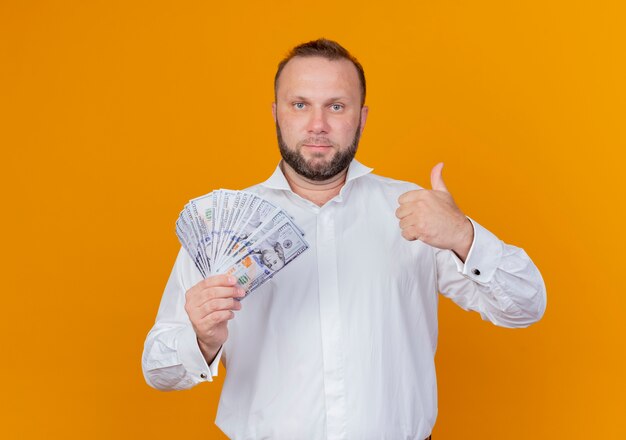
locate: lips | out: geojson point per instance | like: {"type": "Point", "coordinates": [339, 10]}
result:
{"type": "Point", "coordinates": [318, 149]}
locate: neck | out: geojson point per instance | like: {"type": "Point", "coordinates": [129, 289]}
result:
{"type": "Point", "coordinates": [318, 192]}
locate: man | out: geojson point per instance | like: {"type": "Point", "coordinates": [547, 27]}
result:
{"type": "Point", "coordinates": [341, 343]}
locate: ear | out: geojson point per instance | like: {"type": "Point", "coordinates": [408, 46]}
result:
{"type": "Point", "coordinates": [274, 111]}
{"type": "Point", "coordinates": [364, 111]}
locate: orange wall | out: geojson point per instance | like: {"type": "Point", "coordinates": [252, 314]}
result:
{"type": "Point", "coordinates": [115, 113]}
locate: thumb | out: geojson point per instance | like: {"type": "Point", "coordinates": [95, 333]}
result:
{"type": "Point", "coordinates": [436, 180]}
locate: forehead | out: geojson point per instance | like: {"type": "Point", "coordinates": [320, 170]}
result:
{"type": "Point", "coordinates": [303, 76]}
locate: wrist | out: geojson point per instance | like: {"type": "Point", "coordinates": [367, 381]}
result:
{"type": "Point", "coordinates": [208, 351]}
{"type": "Point", "coordinates": [466, 238]}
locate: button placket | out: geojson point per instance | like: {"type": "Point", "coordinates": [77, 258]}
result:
{"type": "Point", "coordinates": [330, 321]}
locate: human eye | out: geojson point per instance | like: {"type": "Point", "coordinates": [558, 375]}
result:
{"type": "Point", "coordinates": [336, 107]}
{"type": "Point", "coordinates": [298, 105]}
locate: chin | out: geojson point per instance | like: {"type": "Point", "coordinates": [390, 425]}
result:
{"type": "Point", "coordinates": [318, 165]}
{"type": "Point", "coordinates": [321, 158]}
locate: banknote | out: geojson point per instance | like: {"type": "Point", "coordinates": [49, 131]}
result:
{"type": "Point", "coordinates": [269, 256]}
{"type": "Point", "coordinates": [240, 234]}
{"type": "Point", "coordinates": [251, 237]}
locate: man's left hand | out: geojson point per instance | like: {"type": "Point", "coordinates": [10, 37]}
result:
{"type": "Point", "coordinates": [432, 217]}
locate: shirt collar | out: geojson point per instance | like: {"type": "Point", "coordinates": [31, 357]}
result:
{"type": "Point", "coordinates": [278, 180]}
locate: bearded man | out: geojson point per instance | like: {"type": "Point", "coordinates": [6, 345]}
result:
{"type": "Point", "coordinates": [341, 343]}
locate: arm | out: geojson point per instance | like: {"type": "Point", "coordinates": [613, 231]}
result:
{"type": "Point", "coordinates": [497, 280]}
{"type": "Point", "coordinates": [474, 268]}
{"type": "Point", "coordinates": [172, 357]}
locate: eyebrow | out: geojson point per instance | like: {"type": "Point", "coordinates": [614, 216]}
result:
{"type": "Point", "coordinates": [333, 99]}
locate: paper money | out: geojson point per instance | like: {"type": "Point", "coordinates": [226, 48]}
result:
{"type": "Point", "coordinates": [270, 255]}
{"type": "Point", "coordinates": [240, 234]}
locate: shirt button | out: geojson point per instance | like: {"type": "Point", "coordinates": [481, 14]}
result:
{"type": "Point", "coordinates": [203, 375]}
{"type": "Point", "coordinates": [475, 271]}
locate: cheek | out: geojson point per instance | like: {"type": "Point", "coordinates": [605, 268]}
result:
{"type": "Point", "coordinates": [346, 129]}
{"type": "Point", "coordinates": [291, 120]}
{"type": "Point", "coordinates": [289, 128]}
{"type": "Point", "coordinates": [345, 123]}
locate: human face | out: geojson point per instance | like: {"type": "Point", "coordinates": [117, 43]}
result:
{"type": "Point", "coordinates": [318, 114]}
{"type": "Point", "coordinates": [272, 260]}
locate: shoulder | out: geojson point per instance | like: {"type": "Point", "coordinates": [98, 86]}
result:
{"type": "Point", "coordinates": [386, 184]}
{"type": "Point", "coordinates": [259, 189]}
{"type": "Point", "coordinates": [254, 188]}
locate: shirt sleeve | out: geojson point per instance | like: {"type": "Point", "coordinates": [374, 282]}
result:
{"type": "Point", "coordinates": [497, 280]}
{"type": "Point", "coordinates": [172, 359]}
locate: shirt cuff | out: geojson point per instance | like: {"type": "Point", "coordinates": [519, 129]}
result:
{"type": "Point", "coordinates": [192, 359]}
{"type": "Point", "coordinates": [484, 256]}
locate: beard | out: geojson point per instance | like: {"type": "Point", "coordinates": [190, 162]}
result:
{"type": "Point", "coordinates": [316, 169]}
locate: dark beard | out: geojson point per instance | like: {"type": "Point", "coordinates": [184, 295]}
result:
{"type": "Point", "coordinates": [340, 161]}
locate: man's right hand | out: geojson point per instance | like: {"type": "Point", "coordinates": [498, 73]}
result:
{"type": "Point", "coordinates": [210, 305]}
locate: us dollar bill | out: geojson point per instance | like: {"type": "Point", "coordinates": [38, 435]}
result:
{"type": "Point", "coordinates": [239, 233]}
{"type": "Point", "coordinates": [270, 255]}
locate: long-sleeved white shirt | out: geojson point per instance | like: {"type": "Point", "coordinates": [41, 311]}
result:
{"type": "Point", "coordinates": [341, 343]}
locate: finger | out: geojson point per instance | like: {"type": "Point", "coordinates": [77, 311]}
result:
{"type": "Point", "coordinates": [218, 280]}
{"type": "Point", "coordinates": [436, 179]}
{"type": "Point", "coordinates": [216, 318]}
{"type": "Point", "coordinates": [410, 234]}
{"type": "Point", "coordinates": [408, 222]}
{"type": "Point", "coordinates": [403, 211]}
{"type": "Point", "coordinates": [410, 196]}
{"type": "Point", "coordinates": [196, 297]}
{"type": "Point", "coordinates": [222, 292]}
{"type": "Point", "coordinates": [216, 305]}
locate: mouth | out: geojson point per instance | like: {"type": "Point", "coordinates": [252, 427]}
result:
{"type": "Point", "coordinates": [315, 147]}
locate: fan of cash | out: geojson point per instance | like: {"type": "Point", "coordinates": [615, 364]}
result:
{"type": "Point", "coordinates": [239, 233]}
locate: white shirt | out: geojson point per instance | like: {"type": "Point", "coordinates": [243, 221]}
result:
{"type": "Point", "coordinates": [341, 343]}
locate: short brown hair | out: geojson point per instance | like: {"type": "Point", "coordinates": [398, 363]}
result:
{"type": "Point", "coordinates": [331, 50]}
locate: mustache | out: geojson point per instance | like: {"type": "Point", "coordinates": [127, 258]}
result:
{"type": "Point", "coordinates": [316, 141]}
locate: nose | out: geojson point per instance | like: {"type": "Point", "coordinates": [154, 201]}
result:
{"type": "Point", "coordinates": [318, 123]}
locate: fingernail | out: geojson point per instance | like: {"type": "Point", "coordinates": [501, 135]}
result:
{"type": "Point", "coordinates": [241, 292]}
{"type": "Point", "coordinates": [231, 279]}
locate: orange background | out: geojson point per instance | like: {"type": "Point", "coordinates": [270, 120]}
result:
{"type": "Point", "coordinates": [115, 113]}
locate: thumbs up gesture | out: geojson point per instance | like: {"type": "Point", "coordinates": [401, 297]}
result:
{"type": "Point", "coordinates": [432, 217]}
